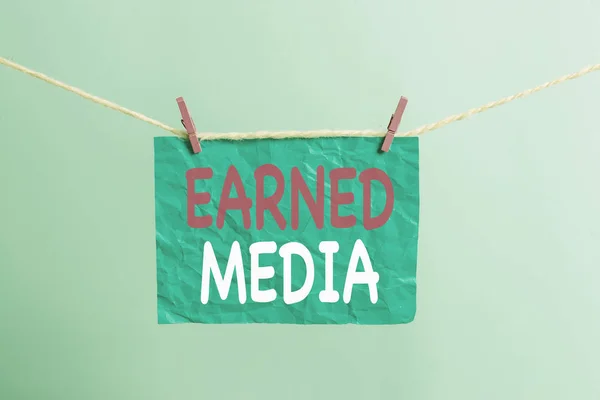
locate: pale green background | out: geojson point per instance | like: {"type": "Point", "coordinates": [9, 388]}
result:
{"type": "Point", "coordinates": [509, 263]}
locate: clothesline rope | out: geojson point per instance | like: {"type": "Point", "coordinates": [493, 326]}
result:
{"type": "Point", "coordinates": [295, 134]}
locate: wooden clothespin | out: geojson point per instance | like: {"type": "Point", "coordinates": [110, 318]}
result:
{"type": "Point", "coordinates": [188, 124]}
{"type": "Point", "coordinates": [393, 125]}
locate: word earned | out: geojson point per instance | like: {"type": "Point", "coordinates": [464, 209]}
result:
{"type": "Point", "coordinates": [298, 188]}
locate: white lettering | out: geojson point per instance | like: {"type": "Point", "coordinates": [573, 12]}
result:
{"type": "Point", "coordinates": [286, 252]}
{"type": "Point", "coordinates": [258, 273]}
{"type": "Point", "coordinates": [209, 264]}
{"type": "Point", "coordinates": [354, 277]}
{"type": "Point", "coordinates": [329, 295]}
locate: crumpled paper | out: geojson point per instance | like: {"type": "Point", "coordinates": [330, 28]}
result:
{"type": "Point", "coordinates": [392, 248]}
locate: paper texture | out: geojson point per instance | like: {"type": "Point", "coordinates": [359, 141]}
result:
{"type": "Point", "coordinates": [313, 180]}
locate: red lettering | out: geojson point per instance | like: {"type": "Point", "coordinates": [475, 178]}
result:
{"type": "Point", "coordinates": [268, 203]}
{"type": "Point", "coordinates": [316, 205]}
{"type": "Point", "coordinates": [194, 198]}
{"type": "Point", "coordinates": [241, 202]}
{"type": "Point", "coordinates": [315, 201]}
{"type": "Point", "coordinates": [338, 198]}
{"type": "Point", "coordinates": [365, 178]}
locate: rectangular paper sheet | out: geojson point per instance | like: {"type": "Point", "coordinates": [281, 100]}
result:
{"type": "Point", "coordinates": [391, 248]}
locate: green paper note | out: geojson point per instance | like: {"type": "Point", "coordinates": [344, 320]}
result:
{"type": "Point", "coordinates": [293, 231]}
